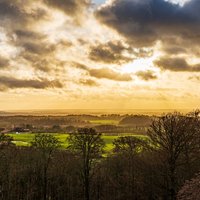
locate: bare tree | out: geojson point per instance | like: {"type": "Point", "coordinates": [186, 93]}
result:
{"type": "Point", "coordinates": [46, 144]}
{"type": "Point", "coordinates": [172, 136]}
{"type": "Point", "coordinates": [89, 145]}
{"type": "Point", "coordinates": [131, 149]}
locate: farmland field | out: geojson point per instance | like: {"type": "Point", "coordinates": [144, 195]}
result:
{"type": "Point", "coordinates": [24, 139]}
{"type": "Point", "coordinates": [104, 122]}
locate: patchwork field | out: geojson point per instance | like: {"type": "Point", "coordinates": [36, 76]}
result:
{"type": "Point", "coordinates": [24, 139]}
{"type": "Point", "coordinates": [104, 122]}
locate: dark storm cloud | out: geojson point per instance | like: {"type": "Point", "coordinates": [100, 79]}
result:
{"type": "Point", "coordinates": [33, 42]}
{"type": "Point", "coordinates": [176, 65]}
{"type": "Point", "coordinates": [181, 45]}
{"type": "Point", "coordinates": [17, 17]}
{"type": "Point", "coordinates": [146, 75]}
{"type": "Point", "coordinates": [37, 62]}
{"type": "Point", "coordinates": [69, 7]}
{"type": "Point", "coordinates": [9, 9]}
{"type": "Point", "coordinates": [111, 53]}
{"type": "Point", "coordinates": [16, 12]}
{"type": "Point", "coordinates": [174, 50]}
{"type": "Point", "coordinates": [104, 73]}
{"type": "Point", "coordinates": [38, 48]}
{"type": "Point", "coordinates": [11, 83]}
{"type": "Point", "coordinates": [28, 35]}
{"type": "Point", "coordinates": [40, 54]}
{"type": "Point", "coordinates": [4, 63]}
{"type": "Point", "coordinates": [147, 21]}
{"type": "Point", "coordinates": [45, 63]}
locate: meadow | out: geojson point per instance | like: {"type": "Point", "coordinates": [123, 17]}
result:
{"type": "Point", "coordinates": [24, 139]}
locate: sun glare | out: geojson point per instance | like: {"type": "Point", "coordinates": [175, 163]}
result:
{"type": "Point", "coordinates": [141, 64]}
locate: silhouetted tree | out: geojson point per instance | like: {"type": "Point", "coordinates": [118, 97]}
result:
{"type": "Point", "coordinates": [89, 145]}
{"type": "Point", "coordinates": [130, 148]}
{"type": "Point", "coordinates": [173, 135]}
{"type": "Point", "coordinates": [5, 140]}
{"type": "Point", "coordinates": [46, 144]}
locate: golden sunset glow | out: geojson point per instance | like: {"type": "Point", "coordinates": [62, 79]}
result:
{"type": "Point", "coordinates": [94, 55]}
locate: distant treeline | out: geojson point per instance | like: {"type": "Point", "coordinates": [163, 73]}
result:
{"type": "Point", "coordinates": [58, 124]}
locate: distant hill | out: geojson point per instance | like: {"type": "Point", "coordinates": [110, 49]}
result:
{"type": "Point", "coordinates": [136, 120]}
{"type": "Point", "coordinates": [3, 113]}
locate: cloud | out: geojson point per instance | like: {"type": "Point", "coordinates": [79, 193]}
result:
{"type": "Point", "coordinates": [104, 73]}
{"type": "Point", "coordinates": [23, 34]}
{"type": "Point", "coordinates": [171, 49]}
{"type": "Point", "coordinates": [65, 43]}
{"type": "Point", "coordinates": [20, 13]}
{"type": "Point", "coordinates": [109, 74]}
{"type": "Point", "coordinates": [17, 18]}
{"type": "Point", "coordinates": [11, 83]}
{"type": "Point", "coordinates": [37, 54]}
{"type": "Point", "coordinates": [176, 65]}
{"type": "Point", "coordinates": [88, 82]}
{"type": "Point", "coordinates": [38, 48]}
{"type": "Point", "coordinates": [111, 53]}
{"type": "Point", "coordinates": [4, 63]}
{"type": "Point", "coordinates": [33, 42]}
{"type": "Point", "coordinates": [181, 45]}
{"type": "Point", "coordinates": [47, 63]}
{"type": "Point", "coordinates": [9, 9]}
{"type": "Point", "coordinates": [146, 75]}
{"type": "Point", "coordinates": [69, 7]}
{"type": "Point", "coordinates": [80, 66]}
{"type": "Point", "coordinates": [145, 22]}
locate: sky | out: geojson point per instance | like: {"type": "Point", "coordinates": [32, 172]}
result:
{"type": "Point", "coordinates": [99, 1]}
{"type": "Point", "coordinates": [114, 54]}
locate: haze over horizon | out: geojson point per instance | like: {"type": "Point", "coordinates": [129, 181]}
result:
{"type": "Point", "coordinates": [114, 54]}
{"type": "Point", "coordinates": [96, 112]}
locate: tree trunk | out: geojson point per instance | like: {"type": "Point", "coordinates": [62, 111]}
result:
{"type": "Point", "coordinates": [86, 184]}
{"type": "Point", "coordinates": [45, 184]}
{"type": "Point", "coordinates": [172, 184]}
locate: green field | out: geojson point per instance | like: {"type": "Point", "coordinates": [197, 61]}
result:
{"type": "Point", "coordinates": [24, 139]}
